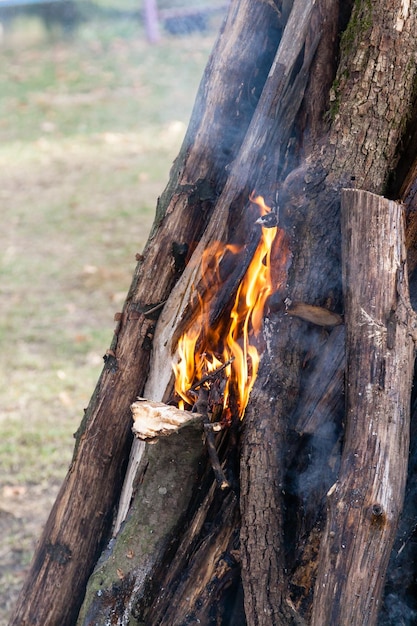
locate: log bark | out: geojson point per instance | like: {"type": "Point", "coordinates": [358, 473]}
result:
{"type": "Point", "coordinates": [262, 481]}
{"type": "Point", "coordinates": [82, 515]}
{"type": "Point", "coordinates": [365, 502]}
{"type": "Point", "coordinates": [122, 576]}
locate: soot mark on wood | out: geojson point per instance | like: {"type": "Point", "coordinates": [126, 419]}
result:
{"type": "Point", "coordinates": [58, 553]}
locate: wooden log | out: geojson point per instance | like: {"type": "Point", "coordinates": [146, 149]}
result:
{"type": "Point", "coordinates": [195, 589]}
{"type": "Point", "coordinates": [262, 476]}
{"type": "Point", "coordinates": [124, 573]}
{"type": "Point", "coordinates": [82, 516]}
{"type": "Point", "coordinates": [365, 502]}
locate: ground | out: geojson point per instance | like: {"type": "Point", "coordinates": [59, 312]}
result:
{"type": "Point", "coordinates": [88, 131]}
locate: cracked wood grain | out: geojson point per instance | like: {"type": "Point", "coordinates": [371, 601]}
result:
{"type": "Point", "coordinates": [365, 503]}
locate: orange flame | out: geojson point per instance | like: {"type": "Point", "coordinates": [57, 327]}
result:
{"type": "Point", "coordinates": [203, 349]}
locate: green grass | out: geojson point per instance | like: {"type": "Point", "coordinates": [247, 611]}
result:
{"type": "Point", "coordinates": [88, 132]}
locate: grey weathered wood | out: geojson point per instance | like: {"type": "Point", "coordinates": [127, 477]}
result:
{"type": "Point", "coordinates": [365, 502]}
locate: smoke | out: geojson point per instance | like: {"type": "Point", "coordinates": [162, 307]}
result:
{"type": "Point", "coordinates": [397, 612]}
{"type": "Point", "coordinates": [322, 455]}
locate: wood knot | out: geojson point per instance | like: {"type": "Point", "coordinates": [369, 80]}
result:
{"type": "Point", "coordinates": [378, 517]}
{"type": "Point", "coordinates": [377, 510]}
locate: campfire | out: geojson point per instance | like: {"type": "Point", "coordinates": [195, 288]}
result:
{"type": "Point", "coordinates": [218, 353]}
{"type": "Point", "coordinates": [311, 532]}
{"type": "Point", "coordinates": [223, 355]}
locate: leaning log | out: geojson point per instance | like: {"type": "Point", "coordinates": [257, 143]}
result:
{"type": "Point", "coordinates": [81, 519]}
{"type": "Point", "coordinates": [171, 442]}
{"type": "Point", "coordinates": [365, 502]}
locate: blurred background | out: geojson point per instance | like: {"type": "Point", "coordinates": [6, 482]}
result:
{"type": "Point", "coordinates": [95, 99]}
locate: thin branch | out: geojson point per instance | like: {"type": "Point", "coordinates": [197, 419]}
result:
{"type": "Point", "coordinates": [212, 375]}
{"type": "Point", "coordinates": [201, 406]}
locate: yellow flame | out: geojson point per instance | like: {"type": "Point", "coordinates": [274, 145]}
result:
{"type": "Point", "coordinates": [203, 349]}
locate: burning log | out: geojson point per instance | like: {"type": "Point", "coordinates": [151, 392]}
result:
{"type": "Point", "coordinates": [365, 502]}
{"type": "Point", "coordinates": [230, 556]}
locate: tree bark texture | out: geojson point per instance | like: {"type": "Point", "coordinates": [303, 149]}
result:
{"type": "Point", "coordinates": [121, 578]}
{"type": "Point", "coordinates": [259, 123]}
{"type": "Point", "coordinates": [262, 479]}
{"type": "Point", "coordinates": [365, 502]}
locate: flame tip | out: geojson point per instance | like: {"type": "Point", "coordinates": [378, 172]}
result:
{"type": "Point", "coordinates": [229, 347]}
